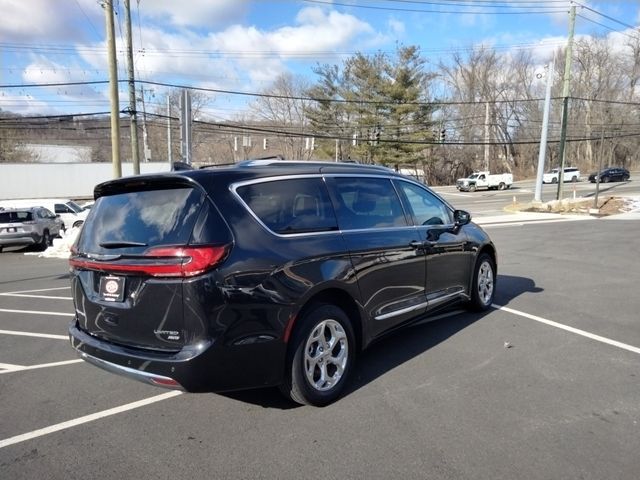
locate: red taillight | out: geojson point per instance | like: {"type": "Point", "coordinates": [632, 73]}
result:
{"type": "Point", "coordinates": [162, 262]}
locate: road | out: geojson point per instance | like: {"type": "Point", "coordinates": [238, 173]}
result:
{"type": "Point", "coordinates": [544, 385]}
{"type": "Point", "coordinates": [492, 202]}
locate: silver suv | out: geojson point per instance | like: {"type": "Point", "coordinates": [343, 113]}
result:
{"type": "Point", "coordinates": [28, 226]}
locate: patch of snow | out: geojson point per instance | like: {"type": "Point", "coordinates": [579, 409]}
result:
{"type": "Point", "coordinates": [61, 247]}
{"type": "Point", "coordinates": [632, 205]}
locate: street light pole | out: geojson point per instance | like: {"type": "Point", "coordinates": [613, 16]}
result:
{"type": "Point", "coordinates": [565, 99]}
{"type": "Point", "coordinates": [133, 116]}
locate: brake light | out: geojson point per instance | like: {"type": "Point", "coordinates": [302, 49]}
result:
{"type": "Point", "coordinates": [162, 261]}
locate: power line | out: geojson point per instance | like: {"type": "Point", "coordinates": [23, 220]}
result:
{"type": "Point", "coordinates": [95, 30]}
{"type": "Point", "coordinates": [416, 10]}
{"type": "Point", "coordinates": [607, 16]}
{"type": "Point", "coordinates": [606, 26]}
{"type": "Point", "coordinates": [305, 98]}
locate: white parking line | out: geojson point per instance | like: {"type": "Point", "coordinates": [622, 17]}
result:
{"type": "Point", "coordinates": [36, 312]}
{"type": "Point", "coordinates": [7, 368]}
{"type": "Point", "coordinates": [86, 419]}
{"type": "Point", "coordinates": [42, 290]}
{"type": "Point", "coordinates": [34, 296]}
{"type": "Point", "coordinates": [567, 328]}
{"type": "Point", "coordinates": [31, 334]}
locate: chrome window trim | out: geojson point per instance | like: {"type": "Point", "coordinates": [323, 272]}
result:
{"type": "Point", "coordinates": [434, 194]}
{"type": "Point", "coordinates": [233, 188]}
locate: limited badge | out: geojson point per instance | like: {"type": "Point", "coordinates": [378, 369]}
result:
{"type": "Point", "coordinates": [112, 288]}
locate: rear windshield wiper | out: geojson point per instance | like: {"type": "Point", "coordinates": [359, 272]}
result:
{"type": "Point", "coordinates": [122, 244]}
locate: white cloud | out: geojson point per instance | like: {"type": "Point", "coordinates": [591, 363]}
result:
{"type": "Point", "coordinates": [43, 71]}
{"type": "Point", "coordinates": [24, 103]}
{"type": "Point", "coordinates": [23, 20]}
{"type": "Point", "coordinates": [397, 27]}
{"type": "Point", "coordinates": [190, 13]}
{"type": "Point", "coordinates": [34, 20]}
{"type": "Point", "coordinates": [317, 30]}
{"type": "Point", "coordinates": [224, 58]}
{"type": "Point", "coordinates": [171, 44]}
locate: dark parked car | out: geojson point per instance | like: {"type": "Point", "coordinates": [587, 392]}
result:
{"type": "Point", "coordinates": [266, 273]}
{"type": "Point", "coordinates": [610, 175]}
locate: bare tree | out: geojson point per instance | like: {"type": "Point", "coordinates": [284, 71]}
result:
{"type": "Point", "coordinates": [282, 109]}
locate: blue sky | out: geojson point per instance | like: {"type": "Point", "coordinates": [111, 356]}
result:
{"type": "Point", "coordinates": [242, 45]}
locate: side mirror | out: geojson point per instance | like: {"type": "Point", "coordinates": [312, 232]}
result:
{"type": "Point", "coordinates": [57, 215]}
{"type": "Point", "coordinates": [461, 217]}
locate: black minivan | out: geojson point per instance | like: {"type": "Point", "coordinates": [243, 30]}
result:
{"type": "Point", "coordinates": [266, 273]}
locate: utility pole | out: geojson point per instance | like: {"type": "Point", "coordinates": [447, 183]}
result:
{"type": "Point", "coordinates": [133, 120]}
{"type": "Point", "coordinates": [113, 89]}
{"type": "Point", "coordinates": [543, 136]}
{"type": "Point", "coordinates": [487, 136]}
{"type": "Point", "coordinates": [565, 99]}
{"type": "Point", "coordinates": [169, 152]}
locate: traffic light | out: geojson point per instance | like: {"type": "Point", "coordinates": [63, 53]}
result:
{"type": "Point", "coordinates": [443, 135]}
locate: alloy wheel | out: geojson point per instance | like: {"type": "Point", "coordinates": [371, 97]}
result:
{"type": "Point", "coordinates": [326, 355]}
{"type": "Point", "coordinates": [485, 282]}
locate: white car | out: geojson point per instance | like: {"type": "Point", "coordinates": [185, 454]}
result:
{"type": "Point", "coordinates": [70, 212]}
{"type": "Point", "coordinates": [571, 174]}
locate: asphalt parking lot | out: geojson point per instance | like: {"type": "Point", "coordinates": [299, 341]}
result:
{"type": "Point", "coordinates": [545, 385]}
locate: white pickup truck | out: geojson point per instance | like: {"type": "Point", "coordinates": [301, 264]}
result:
{"type": "Point", "coordinates": [487, 180]}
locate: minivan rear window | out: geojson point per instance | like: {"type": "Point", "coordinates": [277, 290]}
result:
{"type": "Point", "coordinates": [131, 222]}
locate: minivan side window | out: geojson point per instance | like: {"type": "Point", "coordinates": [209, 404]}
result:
{"type": "Point", "coordinates": [364, 203]}
{"type": "Point", "coordinates": [291, 206]}
{"type": "Point", "coordinates": [427, 209]}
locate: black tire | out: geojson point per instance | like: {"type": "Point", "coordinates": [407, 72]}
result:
{"type": "Point", "coordinates": [554, 180]}
{"type": "Point", "coordinates": [574, 179]}
{"type": "Point", "coordinates": [483, 287]}
{"type": "Point", "coordinates": [502, 186]}
{"type": "Point", "coordinates": [45, 241]}
{"type": "Point", "coordinates": [472, 188]}
{"type": "Point", "coordinates": [78, 224]}
{"type": "Point", "coordinates": [606, 179]}
{"type": "Point", "coordinates": [309, 342]}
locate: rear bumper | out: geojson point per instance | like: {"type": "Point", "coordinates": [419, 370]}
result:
{"type": "Point", "coordinates": [206, 366]}
{"type": "Point", "coordinates": [140, 375]}
{"type": "Point", "coordinates": [16, 239]}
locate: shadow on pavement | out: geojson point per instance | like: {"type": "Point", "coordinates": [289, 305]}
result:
{"type": "Point", "coordinates": [400, 346]}
{"type": "Point", "coordinates": [605, 188]}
